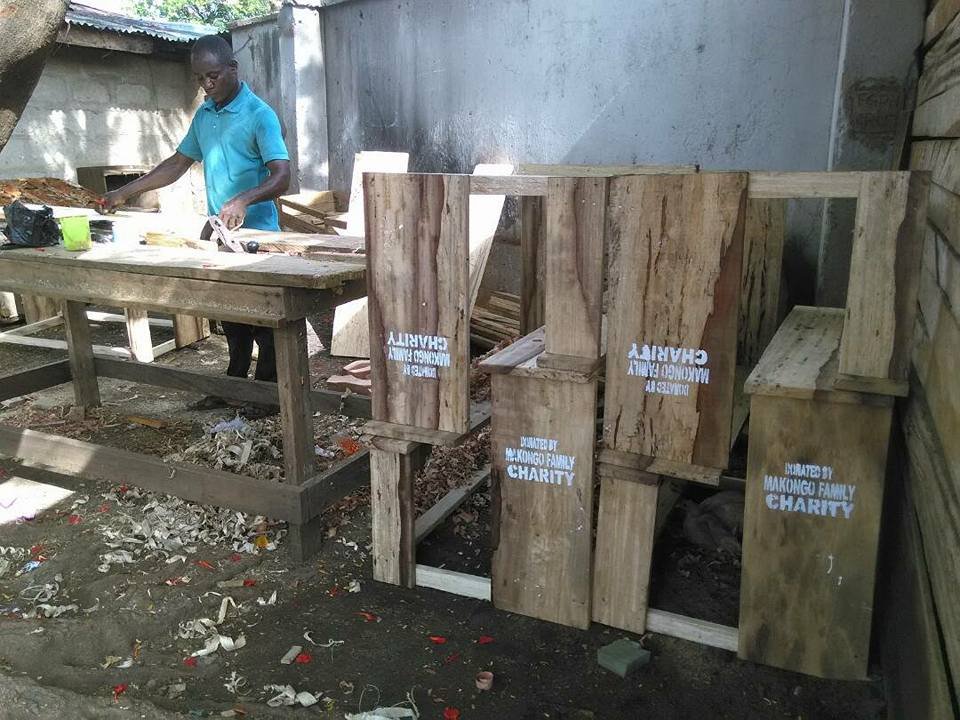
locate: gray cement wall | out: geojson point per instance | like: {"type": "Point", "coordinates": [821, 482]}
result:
{"type": "Point", "coordinates": [95, 108]}
{"type": "Point", "coordinates": [751, 84]}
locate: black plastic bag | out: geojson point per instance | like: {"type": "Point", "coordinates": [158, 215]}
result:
{"type": "Point", "coordinates": [30, 228]}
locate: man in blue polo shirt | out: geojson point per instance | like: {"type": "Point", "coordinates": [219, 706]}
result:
{"type": "Point", "coordinates": [237, 137]}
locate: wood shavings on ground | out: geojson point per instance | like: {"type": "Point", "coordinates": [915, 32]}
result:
{"type": "Point", "coordinates": [449, 468]}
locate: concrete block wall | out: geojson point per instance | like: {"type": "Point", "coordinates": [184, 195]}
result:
{"type": "Point", "coordinates": [95, 107]}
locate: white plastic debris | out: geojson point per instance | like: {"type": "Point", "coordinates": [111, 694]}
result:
{"type": "Point", "coordinates": [286, 695]}
{"type": "Point", "coordinates": [237, 425]}
{"type": "Point", "coordinates": [271, 601]}
{"type": "Point", "coordinates": [235, 683]}
{"type": "Point", "coordinates": [384, 713]}
{"type": "Point", "coordinates": [354, 586]}
{"type": "Point", "coordinates": [291, 655]}
{"type": "Point", "coordinates": [217, 641]}
{"type": "Point", "coordinates": [328, 644]}
{"type": "Point", "coordinates": [55, 611]}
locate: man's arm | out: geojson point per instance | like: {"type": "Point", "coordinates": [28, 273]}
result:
{"type": "Point", "coordinates": [234, 210]}
{"type": "Point", "coordinates": [166, 173]}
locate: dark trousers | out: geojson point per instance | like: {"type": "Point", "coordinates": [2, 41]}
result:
{"type": "Point", "coordinates": [240, 339]}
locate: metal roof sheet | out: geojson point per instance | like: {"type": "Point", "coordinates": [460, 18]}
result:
{"type": "Point", "coordinates": [184, 32]}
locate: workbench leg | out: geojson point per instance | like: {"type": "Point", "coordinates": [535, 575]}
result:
{"type": "Point", "coordinates": [532, 249]}
{"type": "Point", "coordinates": [393, 517]}
{"type": "Point", "coordinates": [85, 390]}
{"type": "Point", "coordinates": [296, 412]}
{"type": "Point", "coordinates": [188, 329]}
{"type": "Point", "coordinates": [305, 540]}
{"type": "Point", "coordinates": [138, 334]}
{"type": "Point", "coordinates": [37, 308]}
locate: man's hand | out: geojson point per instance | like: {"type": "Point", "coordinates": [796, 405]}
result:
{"type": "Point", "coordinates": [111, 201]}
{"type": "Point", "coordinates": [233, 213]}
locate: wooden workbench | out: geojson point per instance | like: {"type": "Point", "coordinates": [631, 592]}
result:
{"type": "Point", "coordinates": [268, 290]}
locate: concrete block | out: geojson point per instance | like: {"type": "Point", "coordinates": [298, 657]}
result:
{"type": "Point", "coordinates": [138, 96]}
{"type": "Point", "coordinates": [172, 97]}
{"type": "Point", "coordinates": [90, 93]}
{"type": "Point", "coordinates": [622, 656]}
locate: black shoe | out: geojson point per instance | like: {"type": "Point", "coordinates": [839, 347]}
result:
{"type": "Point", "coordinates": [210, 402]}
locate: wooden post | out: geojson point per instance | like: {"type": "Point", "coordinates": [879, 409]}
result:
{"type": "Point", "coordinates": [37, 308]}
{"type": "Point", "coordinates": [188, 329]}
{"type": "Point", "coordinates": [532, 253]}
{"type": "Point", "coordinates": [392, 509]}
{"type": "Point", "coordinates": [85, 390]}
{"type": "Point", "coordinates": [763, 242]}
{"type": "Point", "coordinates": [296, 414]}
{"type": "Point", "coordinates": [138, 334]}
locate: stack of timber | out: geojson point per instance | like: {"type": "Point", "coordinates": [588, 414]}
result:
{"type": "Point", "coordinates": [495, 320]}
{"type": "Point", "coordinates": [309, 211]}
{"type": "Point", "coordinates": [921, 648]}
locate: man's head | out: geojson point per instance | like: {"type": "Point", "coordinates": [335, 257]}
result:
{"type": "Point", "coordinates": [214, 67]}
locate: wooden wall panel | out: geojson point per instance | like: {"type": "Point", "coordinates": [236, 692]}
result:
{"type": "Point", "coordinates": [418, 285]}
{"type": "Point", "coordinates": [542, 473]}
{"type": "Point", "coordinates": [763, 242]}
{"type": "Point", "coordinates": [673, 315]}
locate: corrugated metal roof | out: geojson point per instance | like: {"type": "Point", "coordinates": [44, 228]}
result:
{"type": "Point", "coordinates": [112, 22]}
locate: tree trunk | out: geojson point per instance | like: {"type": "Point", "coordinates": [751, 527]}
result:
{"type": "Point", "coordinates": [29, 30]}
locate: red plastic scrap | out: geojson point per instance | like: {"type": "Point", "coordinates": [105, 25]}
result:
{"type": "Point", "coordinates": [236, 557]}
{"type": "Point", "coordinates": [349, 445]}
{"type": "Point", "coordinates": [303, 658]}
{"type": "Point", "coordinates": [334, 591]}
{"type": "Point", "coordinates": [190, 662]}
{"type": "Point", "coordinates": [205, 564]}
{"type": "Point", "coordinates": [452, 658]}
{"type": "Point", "coordinates": [484, 640]}
{"type": "Point", "coordinates": [369, 616]}
{"type": "Point", "coordinates": [249, 582]}
{"type": "Point", "coordinates": [437, 639]}
{"type": "Point", "coordinates": [74, 519]}
{"type": "Point", "coordinates": [451, 713]}
{"type": "Point", "coordinates": [119, 690]}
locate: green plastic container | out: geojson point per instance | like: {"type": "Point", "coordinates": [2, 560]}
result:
{"type": "Point", "coordinates": [76, 232]}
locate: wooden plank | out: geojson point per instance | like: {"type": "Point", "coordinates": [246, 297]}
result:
{"type": "Point", "coordinates": [811, 531]}
{"type": "Point", "coordinates": [38, 378]}
{"type": "Point", "coordinates": [797, 185]}
{"type": "Point", "coordinates": [941, 64]}
{"type": "Point", "coordinates": [369, 162]}
{"type": "Point", "coordinates": [190, 482]}
{"type": "Point", "coordinates": [54, 344]}
{"type": "Point", "coordinates": [418, 295]}
{"type": "Point", "coordinates": [508, 185]}
{"type": "Point", "coordinates": [516, 353]}
{"type": "Point", "coordinates": [938, 117]}
{"type": "Point", "coordinates": [533, 241]}
{"type": "Point", "coordinates": [138, 334]}
{"type": "Point", "coordinates": [543, 536]}
{"type": "Point", "coordinates": [941, 158]}
{"type": "Point", "coordinates": [802, 360]}
{"type": "Point", "coordinates": [270, 269]}
{"type": "Point", "coordinates": [884, 274]}
{"type": "Point", "coordinates": [484, 218]}
{"type": "Point", "coordinates": [448, 504]}
{"type": "Point", "coordinates": [763, 242]}
{"type": "Point", "coordinates": [673, 315]}
{"type": "Point", "coordinates": [575, 216]}
{"type": "Point", "coordinates": [943, 211]}
{"type": "Point", "coordinates": [344, 478]}
{"type": "Point", "coordinates": [188, 329]}
{"type": "Point", "coordinates": [913, 660]}
{"type": "Point", "coordinates": [35, 327]}
{"type": "Point", "coordinates": [692, 629]}
{"type": "Point", "coordinates": [943, 13]}
{"type": "Point", "coordinates": [583, 171]}
{"type": "Point", "coordinates": [86, 392]}
{"type": "Point", "coordinates": [122, 41]}
{"type": "Point", "coordinates": [296, 413]}
{"type": "Point", "coordinates": [254, 391]}
{"type": "Point", "coordinates": [254, 304]}
{"type": "Point", "coordinates": [37, 307]}
{"type": "Point", "coordinates": [479, 416]}
{"type": "Point", "coordinates": [392, 510]}
{"type": "Point", "coordinates": [934, 484]}
{"type": "Point", "coordinates": [456, 583]}
{"type": "Point", "coordinates": [625, 534]}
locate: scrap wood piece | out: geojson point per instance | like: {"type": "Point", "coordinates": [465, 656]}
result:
{"type": "Point", "coordinates": [362, 386]}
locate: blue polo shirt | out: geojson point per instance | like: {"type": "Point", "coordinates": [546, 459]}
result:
{"type": "Point", "coordinates": [235, 144]}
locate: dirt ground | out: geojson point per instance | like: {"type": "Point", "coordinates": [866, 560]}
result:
{"type": "Point", "coordinates": [122, 646]}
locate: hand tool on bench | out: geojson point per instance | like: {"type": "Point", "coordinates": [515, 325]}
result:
{"type": "Point", "coordinates": [221, 230]}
